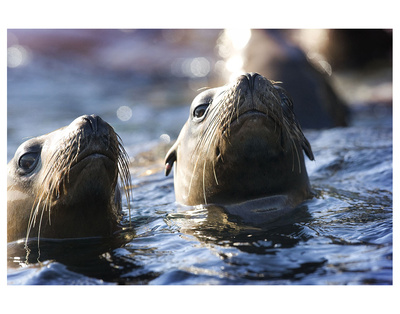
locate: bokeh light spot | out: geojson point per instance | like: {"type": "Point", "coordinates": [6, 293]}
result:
{"type": "Point", "coordinates": [165, 138]}
{"type": "Point", "coordinates": [124, 113]}
{"type": "Point", "coordinates": [17, 56]}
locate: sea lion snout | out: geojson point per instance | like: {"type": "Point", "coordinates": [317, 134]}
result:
{"type": "Point", "coordinates": [90, 124]}
{"type": "Point", "coordinates": [255, 96]}
{"type": "Point", "coordinates": [91, 135]}
{"type": "Point", "coordinates": [250, 79]}
{"type": "Point", "coordinates": [93, 121]}
{"type": "Point", "coordinates": [252, 82]}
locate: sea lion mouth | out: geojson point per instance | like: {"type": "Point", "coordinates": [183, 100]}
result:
{"type": "Point", "coordinates": [249, 114]}
{"type": "Point", "coordinates": [85, 156]}
{"type": "Point", "coordinates": [252, 112]}
{"type": "Point", "coordinates": [239, 119]}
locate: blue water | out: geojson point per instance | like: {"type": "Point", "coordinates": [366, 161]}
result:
{"type": "Point", "coordinates": [342, 236]}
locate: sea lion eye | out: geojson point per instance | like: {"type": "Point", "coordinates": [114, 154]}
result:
{"type": "Point", "coordinates": [200, 111]}
{"type": "Point", "coordinates": [28, 161]}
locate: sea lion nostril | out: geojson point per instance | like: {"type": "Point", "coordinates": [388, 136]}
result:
{"type": "Point", "coordinates": [250, 78]}
{"type": "Point", "coordinates": [93, 121]}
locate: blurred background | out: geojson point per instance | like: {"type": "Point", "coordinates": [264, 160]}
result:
{"type": "Point", "coordinates": [142, 81]}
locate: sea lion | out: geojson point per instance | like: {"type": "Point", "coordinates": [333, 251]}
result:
{"type": "Point", "coordinates": [64, 184]}
{"type": "Point", "coordinates": [273, 52]}
{"type": "Point", "coordinates": [241, 146]}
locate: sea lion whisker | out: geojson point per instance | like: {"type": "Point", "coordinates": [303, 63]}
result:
{"type": "Point", "coordinates": [295, 133]}
{"type": "Point", "coordinates": [39, 231]}
{"type": "Point", "coordinates": [208, 134]}
{"type": "Point", "coordinates": [124, 174]}
{"type": "Point", "coordinates": [297, 154]}
{"type": "Point", "coordinates": [203, 138]}
{"type": "Point", "coordinates": [229, 114]}
{"type": "Point", "coordinates": [211, 144]}
{"type": "Point", "coordinates": [292, 144]}
{"type": "Point", "coordinates": [274, 97]}
{"type": "Point", "coordinates": [215, 175]}
{"type": "Point", "coordinates": [204, 183]}
{"type": "Point", "coordinates": [31, 220]}
{"type": "Point", "coordinates": [224, 120]}
{"type": "Point", "coordinates": [194, 170]}
{"type": "Point", "coordinates": [212, 134]}
{"type": "Point", "coordinates": [202, 135]}
{"type": "Point", "coordinates": [32, 223]}
{"type": "Point", "coordinates": [237, 101]}
{"type": "Point", "coordinates": [32, 217]}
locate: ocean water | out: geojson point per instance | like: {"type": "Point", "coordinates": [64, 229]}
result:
{"type": "Point", "coordinates": [343, 236]}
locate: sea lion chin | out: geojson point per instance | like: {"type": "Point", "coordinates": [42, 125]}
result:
{"type": "Point", "coordinates": [241, 142]}
{"type": "Point", "coordinates": [65, 184]}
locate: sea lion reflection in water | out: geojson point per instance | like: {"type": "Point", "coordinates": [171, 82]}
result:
{"type": "Point", "coordinates": [64, 184]}
{"type": "Point", "coordinates": [241, 148]}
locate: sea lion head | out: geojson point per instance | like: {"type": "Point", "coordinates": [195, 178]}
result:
{"type": "Point", "coordinates": [242, 141]}
{"type": "Point", "coordinates": [64, 184]}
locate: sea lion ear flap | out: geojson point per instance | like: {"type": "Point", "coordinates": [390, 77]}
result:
{"type": "Point", "coordinates": [288, 102]}
{"type": "Point", "coordinates": [307, 148]}
{"type": "Point", "coordinates": [170, 158]}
